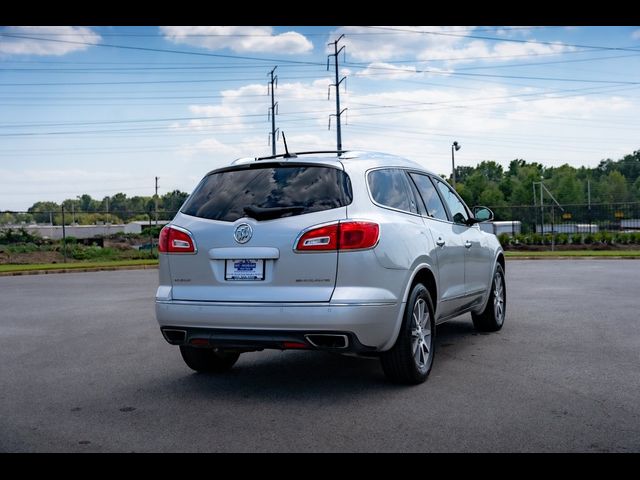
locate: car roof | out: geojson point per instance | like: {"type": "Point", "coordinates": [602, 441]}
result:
{"type": "Point", "coordinates": [349, 158]}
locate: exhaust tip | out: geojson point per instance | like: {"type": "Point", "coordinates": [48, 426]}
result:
{"type": "Point", "coordinates": [327, 340]}
{"type": "Point", "coordinates": [174, 336]}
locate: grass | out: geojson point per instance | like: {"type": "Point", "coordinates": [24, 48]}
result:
{"type": "Point", "coordinates": [575, 253]}
{"type": "Point", "coordinates": [75, 265]}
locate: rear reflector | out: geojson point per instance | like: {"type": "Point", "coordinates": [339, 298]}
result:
{"type": "Point", "coordinates": [349, 235]}
{"type": "Point", "coordinates": [173, 240]}
{"type": "Point", "coordinates": [199, 342]}
{"type": "Point", "coordinates": [294, 345]}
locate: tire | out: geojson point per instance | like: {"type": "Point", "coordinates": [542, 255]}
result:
{"type": "Point", "coordinates": [206, 360]}
{"type": "Point", "coordinates": [492, 318]}
{"type": "Point", "coordinates": [411, 358]}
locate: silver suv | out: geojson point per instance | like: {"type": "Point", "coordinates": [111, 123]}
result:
{"type": "Point", "coordinates": [348, 252]}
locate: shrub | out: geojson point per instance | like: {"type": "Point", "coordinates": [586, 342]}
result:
{"type": "Point", "coordinates": [20, 235]}
{"type": "Point", "coordinates": [575, 238]}
{"type": "Point", "coordinates": [92, 253]}
{"type": "Point", "coordinates": [504, 239]}
{"type": "Point", "coordinates": [622, 238]}
{"type": "Point", "coordinates": [23, 248]}
{"type": "Point", "coordinates": [535, 239]}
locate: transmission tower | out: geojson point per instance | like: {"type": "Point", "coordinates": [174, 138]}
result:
{"type": "Point", "coordinates": [339, 80]}
{"type": "Point", "coordinates": [273, 110]}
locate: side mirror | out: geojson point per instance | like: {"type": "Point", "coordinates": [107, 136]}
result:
{"type": "Point", "coordinates": [482, 214]}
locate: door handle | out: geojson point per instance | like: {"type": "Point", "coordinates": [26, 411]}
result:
{"type": "Point", "coordinates": [467, 244]}
{"type": "Point", "coordinates": [440, 242]}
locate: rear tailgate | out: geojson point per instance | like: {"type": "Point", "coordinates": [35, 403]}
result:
{"type": "Point", "coordinates": [240, 258]}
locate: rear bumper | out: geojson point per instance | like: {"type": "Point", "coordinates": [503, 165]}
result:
{"type": "Point", "coordinates": [372, 326]}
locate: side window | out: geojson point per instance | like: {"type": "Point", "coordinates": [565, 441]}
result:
{"type": "Point", "coordinates": [416, 199]}
{"type": "Point", "coordinates": [390, 188]}
{"type": "Point", "coordinates": [431, 199]}
{"type": "Point", "coordinates": [456, 207]}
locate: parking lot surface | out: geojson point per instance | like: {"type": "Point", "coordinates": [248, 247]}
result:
{"type": "Point", "coordinates": [85, 369]}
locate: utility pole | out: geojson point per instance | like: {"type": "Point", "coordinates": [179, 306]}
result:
{"type": "Point", "coordinates": [272, 110]}
{"type": "Point", "coordinates": [156, 201]}
{"type": "Point", "coordinates": [339, 80]}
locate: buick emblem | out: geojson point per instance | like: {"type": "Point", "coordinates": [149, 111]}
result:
{"type": "Point", "coordinates": [243, 233]}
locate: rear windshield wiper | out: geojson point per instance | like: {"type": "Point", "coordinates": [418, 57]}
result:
{"type": "Point", "coordinates": [260, 213]}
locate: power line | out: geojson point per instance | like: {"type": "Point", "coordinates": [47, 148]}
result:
{"type": "Point", "coordinates": [145, 82]}
{"type": "Point", "coordinates": [483, 75]}
{"type": "Point", "coordinates": [512, 40]}
{"type": "Point", "coordinates": [575, 60]}
{"type": "Point", "coordinates": [163, 50]}
{"type": "Point", "coordinates": [252, 35]}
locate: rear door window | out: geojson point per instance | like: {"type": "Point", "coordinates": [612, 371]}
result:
{"type": "Point", "coordinates": [269, 191]}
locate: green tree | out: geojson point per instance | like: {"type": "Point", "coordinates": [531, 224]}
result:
{"type": "Point", "coordinates": [172, 201]}
{"type": "Point", "coordinates": [613, 188]}
{"type": "Point", "coordinates": [87, 204]}
{"type": "Point", "coordinates": [41, 211]}
{"type": "Point", "coordinates": [491, 197]}
{"type": "Point", "coordinates": [490, 170]}
{"type": "Point", "coordinates": [635, 191]}
{"type": "Point", "coordinates": [7, 218]}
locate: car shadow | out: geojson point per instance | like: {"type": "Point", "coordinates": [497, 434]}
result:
{"type": "Point", "coordinates": [291, 375]}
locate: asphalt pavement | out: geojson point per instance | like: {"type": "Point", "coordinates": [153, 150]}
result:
{"type": "Point", "coordinates": [84, 368]}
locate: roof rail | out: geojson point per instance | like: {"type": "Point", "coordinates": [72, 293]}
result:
{"type": "Point", "coordinates": [293, 155]}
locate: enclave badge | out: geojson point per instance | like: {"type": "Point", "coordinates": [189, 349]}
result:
{"type": "Point", "coordinates": [243, 233]}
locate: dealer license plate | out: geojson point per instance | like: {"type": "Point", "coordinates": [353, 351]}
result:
{"type": "Point", "coordinates": [244, 269]}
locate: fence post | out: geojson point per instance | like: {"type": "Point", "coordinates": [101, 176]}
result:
{"type": "Point", "coordinates": [150, 237]}
{"type": "Point", "coordinates": [64, 237]}
{"type": "Point", "coordinates": [553, 231]}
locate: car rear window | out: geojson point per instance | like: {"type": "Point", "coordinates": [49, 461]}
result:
{"type": "Point", "coordinates": [269, 191]}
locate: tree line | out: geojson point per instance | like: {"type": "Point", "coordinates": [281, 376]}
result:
{"type": "Point", "coordinates": [86, 210]}
{"type": "Point", "coordinates": [488, 183]}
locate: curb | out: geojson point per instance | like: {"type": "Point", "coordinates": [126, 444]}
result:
{"type": "Point", "coordinates": [74, 270]}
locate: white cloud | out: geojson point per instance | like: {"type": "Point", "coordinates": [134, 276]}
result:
{"type": "Point", "coordinates": [210, 146]}
{"type": "Point", "coordinates": [27, 46]}
{"type": "Point", "coordinates": [239, 39]}
{"type": "Point", "coordinates": [417, 123]}
{"type": "Point", "coordinates": [388, 71]}
{"type": "Point", "coordinates": [392, 44]}
{"type": "Point", "coordinates": [396, 43]}
{"type": "Point", "coordinates": [635, 35]}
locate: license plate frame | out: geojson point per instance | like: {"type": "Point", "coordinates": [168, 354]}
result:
{"type": "Point", "coordinates": [244, 269]}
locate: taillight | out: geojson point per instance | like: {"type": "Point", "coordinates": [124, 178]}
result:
{"type": "Point", "coordinates": [358, 235]}
{"type": "Point", "coordinates": [321, 238]}
{"type": "Point", "coordinates": [173, 240]}
{"type": "Point", "coordinates": [350, 235]}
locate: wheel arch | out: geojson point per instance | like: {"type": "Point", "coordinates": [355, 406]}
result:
{"type": "Point", "coordinates": [499, 259]}
{"type": "Point", "coordinates": [422, 273]}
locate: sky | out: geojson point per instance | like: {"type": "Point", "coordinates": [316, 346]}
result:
{"type": "Point", "coordinates": [102, 110]}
